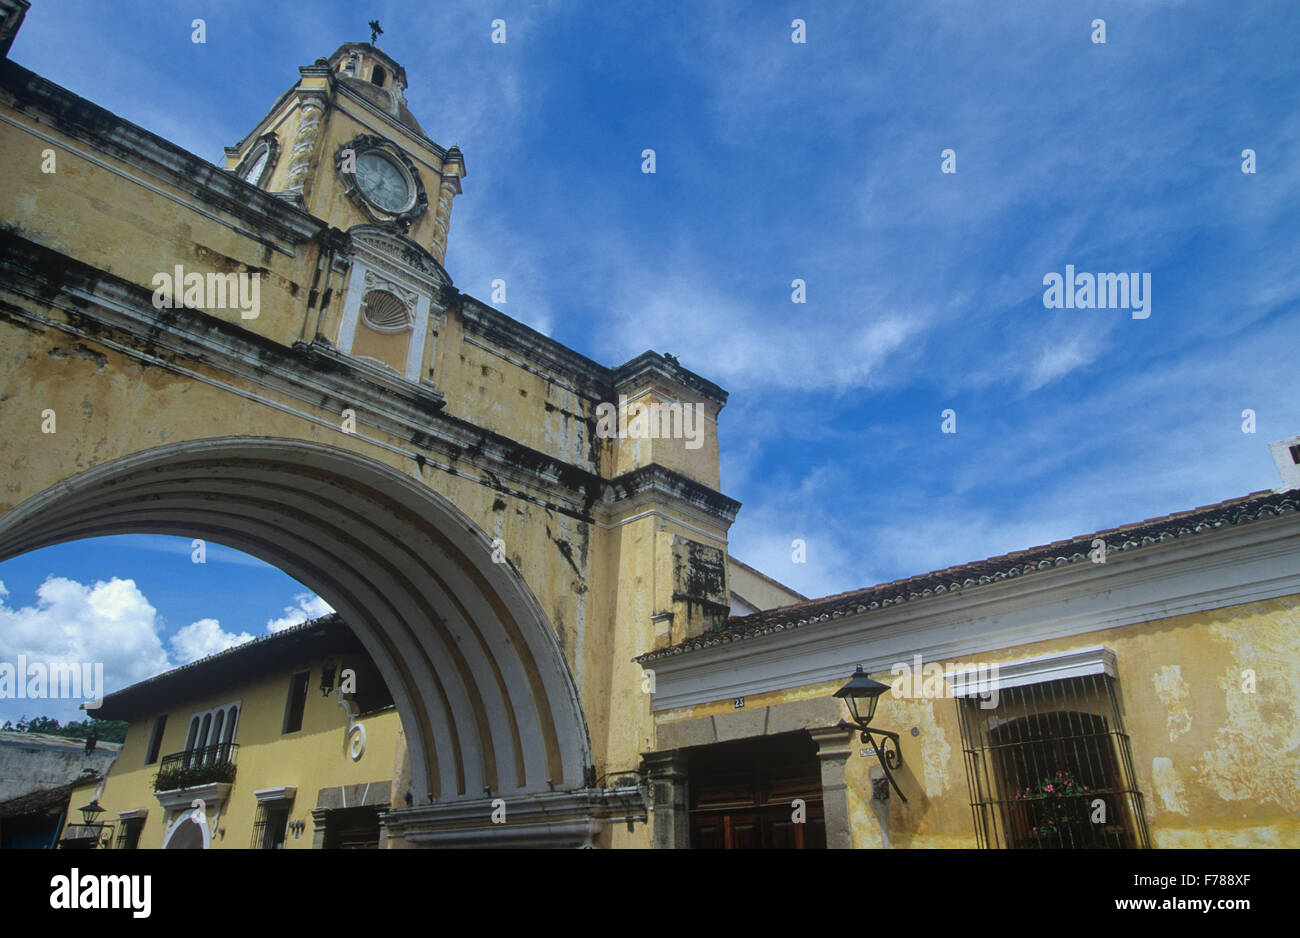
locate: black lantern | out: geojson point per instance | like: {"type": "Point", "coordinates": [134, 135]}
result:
{"type": "Point", "coordinates": [90, 812]}
{"type": "Point", "coordinates": [861, 691]}
{"type": "Point", "coordinates": [327, 677]}
{"type": "Point", "coordinates": [862, 694]}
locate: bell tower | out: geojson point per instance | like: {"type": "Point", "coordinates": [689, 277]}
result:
{"type": "Point", "coordinates": [342, 145]}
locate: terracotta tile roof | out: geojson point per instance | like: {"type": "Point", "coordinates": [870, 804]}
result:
{"type": "Point", "coordinates": [46, 801]}
{"type": "Point", "coordinates": [1128, 537]}
{"type": "Point", "coordinates": [232, 666]}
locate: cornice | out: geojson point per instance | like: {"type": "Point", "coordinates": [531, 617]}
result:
{"type": "Point", "coordinates": [1079, 662]}
{"type": "Point", "coordinates": [394, 253]}
{"type": "Point", "coordinates": [159, 159]}
{"type": "Point", "coordinates": [554, 819]}
{"type": "Point", "coordinates": [592, 378]}
{"type": "Point", "coordinates": [213, 793]}
{"type": "Point", "coordinates": [105, 310]}
{"type": "Point", "coordinates": [655, 485]}
{"type": "Point", "coordinates": [650, 368]}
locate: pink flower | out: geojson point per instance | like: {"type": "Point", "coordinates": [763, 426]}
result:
{"type": "Point", "coordinates": [1049, 788]}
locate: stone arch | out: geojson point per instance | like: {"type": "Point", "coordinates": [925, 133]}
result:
{"type": "Point", "coordinates": [189, 831]}
{"type": "Point", "coordinates": [486, 700]}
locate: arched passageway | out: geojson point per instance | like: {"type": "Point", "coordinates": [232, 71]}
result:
{"type": "Point", "coordinates": [487, 704]}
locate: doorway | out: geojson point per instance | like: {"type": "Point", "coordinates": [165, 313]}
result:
{"type": "Point", "coordinates": [763, 793]}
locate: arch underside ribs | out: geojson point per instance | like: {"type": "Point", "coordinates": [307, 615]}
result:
{"type": "Point", "coordinates": [487, 704]}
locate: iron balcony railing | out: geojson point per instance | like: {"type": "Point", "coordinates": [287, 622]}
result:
{"type": "Point", "coordinates": [195, 767]}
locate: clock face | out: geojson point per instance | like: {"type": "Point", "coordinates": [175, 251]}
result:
{"type": "Point", "coordinates": [382, 183]}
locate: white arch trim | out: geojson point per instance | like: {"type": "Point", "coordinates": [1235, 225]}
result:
{"type": "Point", "coordinates": [191, 816]}
{"type": "Point", "coordinates": [486, 700]}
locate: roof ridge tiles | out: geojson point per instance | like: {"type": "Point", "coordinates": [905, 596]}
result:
{"type": "Point", "coordinates": [1155, 530]}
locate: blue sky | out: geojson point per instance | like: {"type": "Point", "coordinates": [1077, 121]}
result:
{"type": "Point", "coordinates": [819, 161]}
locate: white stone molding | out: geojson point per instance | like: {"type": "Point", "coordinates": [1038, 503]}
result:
{"type": "Point", "coordinates": [213, 793]}
{"type": "Point", "coordinates": [1055, 667]}
{"type": "Point", "coordinates": [274, 795]}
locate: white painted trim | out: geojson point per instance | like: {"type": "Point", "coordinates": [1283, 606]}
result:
{"type": "Point", "coordinates": [189, 817]}
{"type": "Point", "coordinates": [1055, 667]}
{"type": "Point", "coordinates": [133, 814]}
{"type": "Point", "coordinates": [273, 795]}
{"type": "Point", "coordinates": [352, 305]}
{"type": "Point", "coordinates": [213, 793]}
{"type": "Point", "coordinates": [415, 352]}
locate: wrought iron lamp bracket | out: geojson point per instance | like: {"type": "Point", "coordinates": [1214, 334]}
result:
{"type": "Point", "coordinates": [886, 750]}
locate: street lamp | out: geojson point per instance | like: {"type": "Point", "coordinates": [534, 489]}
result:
{"type": "Point", "coordinates": [862, 694]}
{"type": "Point", "coordinates": [90, 812]}
{"type": "Point", "coordinates": [98, 829]}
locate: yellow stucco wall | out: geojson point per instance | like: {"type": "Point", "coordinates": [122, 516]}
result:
{"type": "Point", "coordinates": [1217, 765]}
{"type": "Point", "coordinates": [309, 759]}
{"type": "Point", "coordinates": [760, 590]}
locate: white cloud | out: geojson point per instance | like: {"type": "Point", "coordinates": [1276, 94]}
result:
{"type": "Point", "coordinates": [203, 638]}
{"type": "Point", "coordinates": [109, 623]}
{"type": "Point", "coordinates": [306, 606]}
{"type": "Point", "coordinates": [112, 623]}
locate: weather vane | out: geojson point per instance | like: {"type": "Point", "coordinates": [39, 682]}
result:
{"type": "Point", "coordinates": [375, 31]}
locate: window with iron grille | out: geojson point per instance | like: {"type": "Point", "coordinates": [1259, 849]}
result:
{"type": "Point", "coordinates": [128, 834]}
{"type": "Point", "coordinates": [269, 826]}
{"type": "Point", "coordinates": [1049, 767]}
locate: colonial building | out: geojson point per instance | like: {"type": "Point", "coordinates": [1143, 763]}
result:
{"type": "Point", "coordinates": [1135, 687]}
{"type": "Point", "coordinates": [288, 741]}
{"type": "Point", "coordinates": [531, 547]}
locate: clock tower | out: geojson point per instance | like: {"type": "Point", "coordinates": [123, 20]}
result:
{"type": "Point", "coordinates": [343, 145]}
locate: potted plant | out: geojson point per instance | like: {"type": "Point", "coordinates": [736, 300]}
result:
{"type": "Point", "coordinates": [1058, 812]}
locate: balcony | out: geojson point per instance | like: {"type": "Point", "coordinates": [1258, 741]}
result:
{"type": "Point", "coordinates": [197, 767]}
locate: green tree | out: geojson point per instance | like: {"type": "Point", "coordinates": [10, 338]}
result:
{"type": "Point", "coordinates": [109, 731]}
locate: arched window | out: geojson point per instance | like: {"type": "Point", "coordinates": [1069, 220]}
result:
{"type": "Point", "coordinates": [191, 739]}
{"type": "Point", "coordinates": [378, 75]}
{"type": "Point", "coordinates": [211, 733]}
{"type": "Point", "coordinates": [216, 730]}
{"type": "Point", "coordinates": [1050, 767]}
{"type": "Point", "coordinates": [1057, 766]}
{"type": "Point", "coordinates": [203, 734]}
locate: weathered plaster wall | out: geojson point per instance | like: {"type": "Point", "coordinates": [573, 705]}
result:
{"type": "Point", "coordinates": [1217, 764]}
{"type": "Point", "coordinates": [27, 765]}
{"type": "Point", "coordinates": [758, 589]}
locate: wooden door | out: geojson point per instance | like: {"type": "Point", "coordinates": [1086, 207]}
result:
{"type": "Point", "coordinates": [744, 795]}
